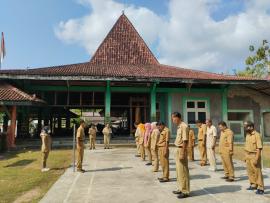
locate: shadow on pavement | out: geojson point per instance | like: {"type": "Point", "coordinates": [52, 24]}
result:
{"type": "Point", "coordinates": [199, 176]}
{"type": "Point", "coordinates": [216, 190]}
{"type": "Point", "coordinates": [109, 169]}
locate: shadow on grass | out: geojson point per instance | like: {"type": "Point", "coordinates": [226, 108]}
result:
{"type": "Point", "coordinates": [58, 168]}
{"type": "Point", "coordinates": [216, 190]}
{"type": "Point", "coordinates": [109, 169]}
{"type": "Point", "coordinates": [23, 162]}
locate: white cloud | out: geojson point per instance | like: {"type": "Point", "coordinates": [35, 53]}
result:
{"type": "Point", "coordinates": [188, 37]}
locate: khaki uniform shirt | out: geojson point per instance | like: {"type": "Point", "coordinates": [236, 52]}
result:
{"type": "Point", "coordinates": [164, 138]}
{"type": "Point", "coordinates": [92, 132]}
{"type": "Point", "coordinates": [226, 141]}
{"type": "Point", "coordinates": [253, 142]}
{"type": "Point", "coordinates": [202, 133]}
{"type": "Point", "coordinates": [46, 142]}
{"type": "Point", "coordinates": [182, 134]}
{"type": "Point", "coordinates": [211, 133]}
{"type": "Point", "coordinates": [80, 137]}
{"type": "Point", "coordinates": [106, 131]}
{"type": "Point", "coordinates": [191, 138]}
{"type": "Point", "coordinates": [154, 138]}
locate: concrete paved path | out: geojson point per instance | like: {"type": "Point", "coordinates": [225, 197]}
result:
{"type": "Point", "coordinates": [116, 176]}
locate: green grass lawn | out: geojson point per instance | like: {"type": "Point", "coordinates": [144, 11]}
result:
{"type": "Point", "coordinates": [21, 178]}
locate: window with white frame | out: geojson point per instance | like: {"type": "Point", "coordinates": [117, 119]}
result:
{"type": "Point", "coordinates": [196, 110]}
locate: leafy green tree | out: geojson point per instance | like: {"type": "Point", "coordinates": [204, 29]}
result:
{"type": "Point", "coordinates": [258, 65]}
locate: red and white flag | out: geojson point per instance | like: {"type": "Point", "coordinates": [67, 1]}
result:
{"type": "Point", "coordinates": [2, 49]}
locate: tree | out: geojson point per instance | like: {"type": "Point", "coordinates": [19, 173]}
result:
{"type": "Point", "coordinates": [258, 65]}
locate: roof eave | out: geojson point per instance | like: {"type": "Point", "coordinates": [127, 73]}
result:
{"type": "Point", "coordinates": [128, 78]}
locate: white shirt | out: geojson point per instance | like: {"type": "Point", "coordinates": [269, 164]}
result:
{"type": "Point", "coordinates": [211, 133]}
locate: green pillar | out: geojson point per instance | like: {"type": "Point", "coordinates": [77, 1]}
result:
{"type": "Point", "coordinates": [169, 110]}
{"type": "Point", "coordinates": [225, 104]}
{"type": "Point", "coordinates": [108, 103]}
{"type": "Point", "coordinates": [153, 103]}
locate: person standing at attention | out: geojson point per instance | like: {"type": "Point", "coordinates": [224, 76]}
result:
{"type": "Point", "coordinates": [202, 141]}
{"type": "Point", "coordinates": [45, 147]}
{"type": "Point", "coordinates": [181, 158]}
{"type": "Point", "coordinates": [211, 133]}
{"type": "Point", "coordinates": [107, 131]}
{"type": "Point", "coordinates": [253, 149]}
{"type": "Point", "coordinates": [92, 136]}
{"type": "Point", "coordinates": [154, 148]}
{"type": "Point", "coordinates": [147, 137]}
{"type": "Point", "coordinates": [80, 136]}
{"type": "Point", "coordinates": [226, 150]}
{"type": "Point", "coordinates": [191, 143]}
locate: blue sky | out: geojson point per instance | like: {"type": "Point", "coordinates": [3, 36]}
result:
{"type": "Point", "coordinates": [31, 40]}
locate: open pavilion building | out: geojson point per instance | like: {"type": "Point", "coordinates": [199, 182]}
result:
{"type": "Point", "coordinates": [124, 83]}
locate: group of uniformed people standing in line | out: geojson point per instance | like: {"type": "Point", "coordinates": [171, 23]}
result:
{"type": "Point", "coordinates": [152, 140]}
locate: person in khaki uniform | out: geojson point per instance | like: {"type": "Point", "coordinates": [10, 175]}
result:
{"type": "Point", "coordinates": [92, 136]}
{"type": "Point", "coordinates": [226, 150]}
{"type": "Point", "coordinates": [181, 159]}
{"type": "Point", "coordinates": [147, 137]}
{"type": "Point", "coordinates": [211, 138]}
{"type": "Point", "coordinates": [141, 131]}
{"type": "Point", "coordinates": [191, 144]}
{"type": "Point", "coordinates": [45, 147]}
{"type": "Point", "coordinates": [107, 131]}
{"type": "Point", "coordinates": [163, 151]}
{"type": "Point", "coordinates": [153, 144]}
{"type": "Point", "coordinates": [202, 141]}
{"type": "Point", "coordinates": [136, 135]}
{"type": "Point", "coordinates": [253, 148]}
{"type": "Point", "coordinates": [80, 136]}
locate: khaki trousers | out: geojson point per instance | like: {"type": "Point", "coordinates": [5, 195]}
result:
{"type": "Point", "coordinates": [227, 163]}
{"type": "Point", "coordinates": [182, 173]}
{"type": "Point", "coordinates": [142, 152]}
{"type": "Point", "coordinates": [148, 154]}
{"type": "Point", "coordinates": [92, 143]}
{"type": "Point", "coordinates": [254, 171]}
{"type": "Point", "coordinates": [190, 153]}
{"type": "Point", "coordinates": [44, 159]}
{"type": "Point", "coordinates": [164, 161]}
{"type": "Point", "coordinates": [202, 150]}
{"type": "Point", "coordinates": [155, 159]}
{"type": "Point", "coordinates": [107, 139]}
{"type": "Point", "coordinates": [137, 146]}
{"type": "Point", "coordinates": [211, 158]}
{"type": "Point", "coordinates": [80, 152]}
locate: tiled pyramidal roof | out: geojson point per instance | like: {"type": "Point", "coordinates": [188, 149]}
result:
{"type": "Point", "coordinates": [123, 45]}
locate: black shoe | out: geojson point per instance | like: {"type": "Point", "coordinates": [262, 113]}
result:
{"type": "Point", "coordinates": [164, 181]}
{"type": "Point", "coordinates": [148, 164]}
{"type": "Point", "coordinates": [259, 192]}
{"type": "Point", "coordinates": [137, 155]}
{"type": "Point", "coordinates": [160, 178]}
{"type": "Point", "coordinates": [225, 177]}
{"type": "Point", "coordinates": [177, 192]}
{"type": "Point", "coordinates": [80, 170]}
{"type": "Point", "coordinates": [182, 196]}
{"type": "Point", "coordinates": [229, 180]}
{"type": "Point", "coordinates": [251, 188]}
